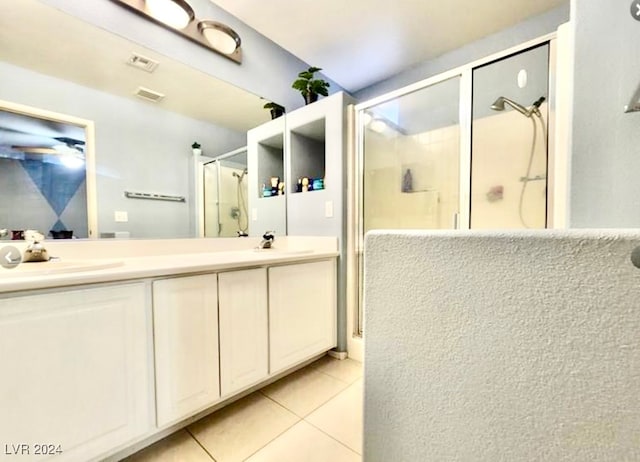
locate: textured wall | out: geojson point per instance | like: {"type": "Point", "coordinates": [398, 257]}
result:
{"type": "Point", "coordinates": [487, 346]}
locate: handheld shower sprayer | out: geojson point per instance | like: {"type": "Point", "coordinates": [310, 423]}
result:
{"type": "Point", "coordinates": [240, 176]}
{"type": "Point", "coordinates": [498, 105]}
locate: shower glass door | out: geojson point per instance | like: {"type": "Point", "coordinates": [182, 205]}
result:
{"type": "Point", "coordinates": [410, 162]}
{"type": "Point", "coordinates": [225, 196]}
{"type": "Point", "coordinates": [509, 142]}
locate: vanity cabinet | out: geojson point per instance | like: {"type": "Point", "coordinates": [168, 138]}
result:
{"type": "Point", "coordinates": [185, 328]}
{"type": "Point", "coordinates": [302, 312]}
{"type": "Point", "coordinates": [75, 372]}
{"type": "Point", "coordinates": [243, 329]}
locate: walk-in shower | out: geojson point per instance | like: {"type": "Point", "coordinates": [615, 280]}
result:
{"type": "Point", "coordinates": [225, 195]}
{"type": "Point", "coordinates": [457, 151]}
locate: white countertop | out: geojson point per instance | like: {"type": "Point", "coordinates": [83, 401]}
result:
{"type": "Point", "coordinates": [97, 270]}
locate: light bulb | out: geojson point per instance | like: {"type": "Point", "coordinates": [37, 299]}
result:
{"type": "Point", "coordinates": [221, 38]}
{"type": "Point", "coordinates": [174, 13]}
{"type": "Point", "coordinates": [71, 162]}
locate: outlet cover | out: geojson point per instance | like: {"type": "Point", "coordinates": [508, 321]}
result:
{"type": "Point", "coordinates": [121, 217]}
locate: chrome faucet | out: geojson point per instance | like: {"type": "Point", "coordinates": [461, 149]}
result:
{"type": "Point", "coordinates": [267, 240]}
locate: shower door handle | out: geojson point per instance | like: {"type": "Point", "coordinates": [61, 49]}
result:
{"type": "Point", "coordinates": [456, 220]}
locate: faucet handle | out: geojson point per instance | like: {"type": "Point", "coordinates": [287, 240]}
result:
{"type": "Point", "coordinates": [269, 236]}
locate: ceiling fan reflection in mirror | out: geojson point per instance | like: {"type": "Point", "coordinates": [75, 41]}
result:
{"type": "Point", "coordinates": [68, 151]}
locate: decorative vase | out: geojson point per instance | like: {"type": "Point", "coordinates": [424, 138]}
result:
{"type": "Point", "coordinates": [310, 98]}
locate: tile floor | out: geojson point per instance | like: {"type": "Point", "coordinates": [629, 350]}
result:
{"type": "Point", "coordinates": [312, 415]}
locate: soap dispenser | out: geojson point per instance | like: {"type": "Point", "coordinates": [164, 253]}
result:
{"type": "Point", "coordinates": [35, 252]}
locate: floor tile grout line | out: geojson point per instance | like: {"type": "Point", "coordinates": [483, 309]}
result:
{"type": "Point", "coordinates": [278, 435]}
{"type": "Point", "coordinates": [200, 444]}
{"type": "Point", "coordinates": [281, 405]}
{"type": "Point", "coordinates": [316, 368]}
{"type": "Point", "coordinates": [332, 437]}
{"type": "Point", "coordinates": [314, 409]}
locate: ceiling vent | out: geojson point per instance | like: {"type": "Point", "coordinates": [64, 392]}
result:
{"type": "Point", "coordinates": [142, 62]}
{"type": "Point", "coordinates": [149, 95]}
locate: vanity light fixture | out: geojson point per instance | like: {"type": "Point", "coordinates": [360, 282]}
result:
{"type": "Point", "coordinates": [178, 17]}
{"type": "Point", "coordinates": [174, 13]}
{"type": "Point", "coordinates": [220, 36]}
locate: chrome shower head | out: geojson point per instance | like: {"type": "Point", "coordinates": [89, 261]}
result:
{"type": "Point", "coordinates": [498, 105]}
{"type": "Point", "coordinates": [239, 175]}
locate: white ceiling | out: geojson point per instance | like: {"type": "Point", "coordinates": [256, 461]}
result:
{"type": "Point", "coordinates": [361, 42]}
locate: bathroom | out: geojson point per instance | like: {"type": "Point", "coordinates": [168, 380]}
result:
{"type": "Point", "coordinates": [150, 153]}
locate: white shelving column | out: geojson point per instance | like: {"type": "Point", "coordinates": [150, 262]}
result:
{"type": "Point", "coordinates": [266, 159]}
{"type": "Point", "coordinates": [316, 147]}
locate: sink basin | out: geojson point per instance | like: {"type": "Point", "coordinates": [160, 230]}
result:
{"type": "Point", "coordinates": [284, 251]}
{"type": "Point", "coordinates": [57, 267]}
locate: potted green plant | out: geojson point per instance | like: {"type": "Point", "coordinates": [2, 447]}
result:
{"type": "Point", "coordinates": [309, 86]}
{"type": "Point", "coordinates": [276, 110]}
{"type": "Point", "coordinates": [196, 148]}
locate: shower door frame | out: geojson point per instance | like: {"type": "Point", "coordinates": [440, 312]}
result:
{"type": "Point", "coordinates": [556, 206]}
{"type": "Point", "coordinates": [201, 192]}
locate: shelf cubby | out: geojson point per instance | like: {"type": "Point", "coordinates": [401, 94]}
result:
{"type": "Point", "coordinates": [270, 161]}
{"type": "Point", "coordinates": [308, 152]}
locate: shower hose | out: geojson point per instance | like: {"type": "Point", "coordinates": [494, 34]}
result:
{"type": "Point", "coordinates": [527, 177]}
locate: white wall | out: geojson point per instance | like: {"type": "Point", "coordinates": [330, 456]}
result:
{"type": "Point", "coordinates": [488, 346]}
{"type": "Point", "coordinates": [138, 148]}
{"type": "Point", "coordinates": [605, 191]}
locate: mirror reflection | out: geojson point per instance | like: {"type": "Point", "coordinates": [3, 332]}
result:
{"type": "Point", "coordinates": [225, 191]}
{"type": "Point", "coordinates": [65, 65]}
{"type": "Point", "coordinates": [42, 176]}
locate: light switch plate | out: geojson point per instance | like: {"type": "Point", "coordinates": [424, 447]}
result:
{"type": "Point", "coordinates": [254, 214]}
{"type": "Point", "coordinates": [328, 209]}
{"type": "Point", "coordinates": [120, 216]}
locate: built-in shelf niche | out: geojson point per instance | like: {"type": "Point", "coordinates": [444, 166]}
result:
{"type": "Point", "coordinates": [270, 161]}
{"type": "Point", "coordinates": [308, 152]}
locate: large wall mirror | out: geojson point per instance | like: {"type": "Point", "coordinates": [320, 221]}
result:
{"type": "Point", "coordinates": [61, 65]}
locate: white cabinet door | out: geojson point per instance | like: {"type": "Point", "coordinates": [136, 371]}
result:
{"type": "Point", "coordinates": [75, 371]}
{"type": "Point", "coordinates": [302, 312]}
{"type": "Point", "coordinates": [185, 326]}
{"type": "Point", "coordinates": [243, 329]}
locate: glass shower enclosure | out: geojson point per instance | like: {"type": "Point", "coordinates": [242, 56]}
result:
{"type": "Point", "coordinates": [225, 195]}
{"type": "Point", "coordinates": [467, 149]}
